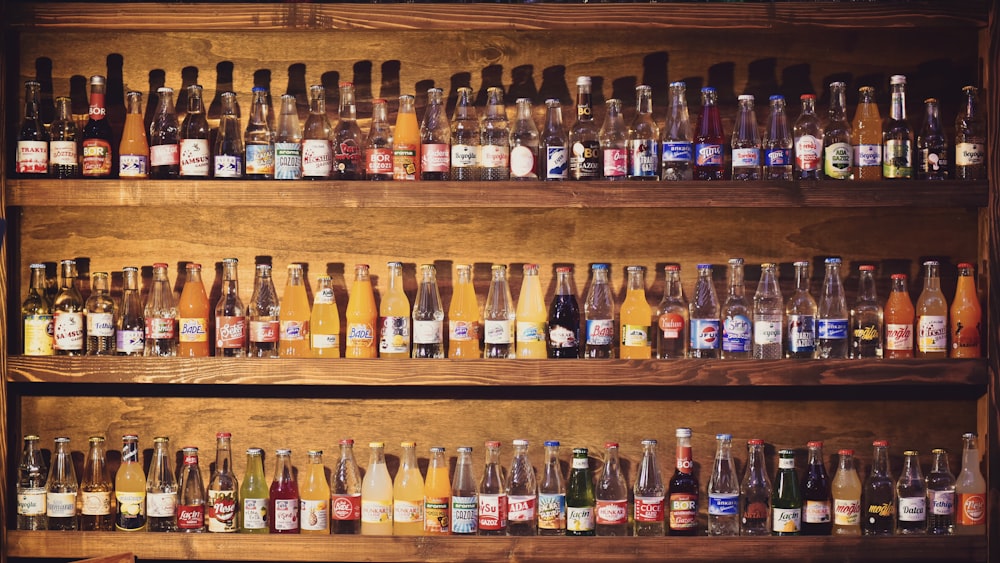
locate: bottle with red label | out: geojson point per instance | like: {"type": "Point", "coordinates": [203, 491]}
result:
{"type": "Point", "coordinates": [263, 316]}
{"type": "Point", "coordinates": [524, 143]}
{"type": "Point", "coordinates": [970, 488]}
{"type": "Point", "coordinates": [611, 496]}
{"type": "Point", "coordinates": [98, 155]}
{"type": "Point", "coordinates": [755, 493]}
{"type": "Point", "coordinates": [435, 137]}
{"type": "Point", "coordinates": [614, 138]}
{"type": "Point", "coordinates": [284, 500]}
{"type": "Point", "coordinates": [671, 317]}
{"type": "Point", "coordinates": [223, 489]}
{"type": "Point", "coordinates": [230, 315]}
{"type": "Point", "coordinates": [378, 144]}
{"type": "Point", "coordinates": [492, 495]}
{"type": "Point", "coordinates": [683, 490]}
{"type": "Point", "coordinates": [192, 316]}
{"type": "Point", "coordinates": [816, 495]}
{"type": "Point", "coordinates": [317, 152]}
{"type": "Point", "coordinates": [164, 139]}
{"type": "Point", "coordinates": [649, 494]}
{"type": "Point", "coordinates": [345, 492]}
{"type": "Point", "coordinates": [347, 139]}
{"type": "Point", "coordinates": [32, 140]}
{"type": "Point", "coordinates": [522, 493]}
{"type": "Point", "coordinates": [191, 498]}
{"type": "Point", "coordinates": [580, 496]}
{"type": "Point", "coordinates": [808, 135]}
{"type": "Point", "coordinates": [160, 313]}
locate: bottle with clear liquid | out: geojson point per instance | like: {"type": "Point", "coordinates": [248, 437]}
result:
{"type": "Point", "coordinates": [932, 145]}
{"type": "Point", "coordinates": [866, 317]}
{"type": "Point", "coordinates": [635, 316]}
{"type": "Point", "coordinates": [932, 315]}
{"type": "Point", "coordinates": [746, 142]}
{"type": "Point", "coordinates": [254, 495]}
{"type": "Point", "coordinates": [68, 321]}
{"type": "Point", "coordinates": [786, 499]}
{"type": "Point", "coordinates": [263, 316]}
{"type": "Point", "coordinates": [643, 138]}
{"type": "Point", "coordinates": [161, 489]}
{"type": "Point", "coordinates": [61, 489]}
{"type": "Point", "coordinates": [970, 138]}
{"type": "Point", "coordinates": [428, 316]}
{"type": "Point", "coordinates": [195, 152]}
{"type": "Point", "coordinates": [492, 495]}
{"type": "Point", "coordinates": [649, 494]}
{"type": "Point", "coordinates": [531, 326]}
{"type": "Point", "coordinates": [394, 317]}
{"type": "Point", "coordinates": [464, 500]}
{"type": "Point", "coordinates": [816, 495]}
{"type": "Point", "coordinates": [437, 495]}
{"type": "Point", "coordinates": [614, 140]}
{"type": "Point", "coordinates": [133, 152]}
{"type": "Point", "coordinates": [317, 150]}
{"type": "Point", "coordinates": [32, 140]}
{"type": "Point", "coordinates": [345, 490]}
{"type": "Point", "coordinates": [580, 498]}
{"type": "Point", "coordinates": [228, 155]}
{"type": "Point", "coordinates": [724, 491]}
{"type": "Point", "coordinates": [676, 157]}
{"type": "Point", "coordinates": [524, 141]}
{"type": "Point", "coordinates": [499, 317]}
{"type": "Point", "coordinates": [866, 137]}
{"type": "Point", "coordinates": [31, 490]}
{"type": "Point", "coordinates": [940, 485]}
{"type": "Point", "coordinates": [130, 488]}
{"type": "Point", "coordinates": [230, 314]}
{"type": "Point", "coordinates": [494, 150]}
{"type": "Point", "coordinates": [800, 317]}
{"type": "Point", "coordinates": [755, 493]}
{"type": "Point", "coordinates": [611, 496]}
{"type": "Point", "coordinates": [378, 143]}
{"type": "Point", "coordinates": [362, 316]}
{"type": "Point", "coordinates": [408, 495]}
{"type": "Point", "coordinates": [283, 503]}
{"type": "Point", "coordinates": [293, 315]}
{"type": "Point", "coordinates": [406, 142]}
{"type": "Point", "coordinates": [970, 488]}
{"type": "Point", "coordinates": [737, 311]}
{"type": "Point", "coordinates": [808, 136]}
{"type": "Point", "coordinates": [709, 141]}
{"type": "Point", "coordinates": [599, 316]}
{"type": "Point", "coordinates": [95, 490]}
{"type": "Point", "coordinates": [347, 138]}
{"type": "Point", "coordinates": [376, 495]}
{"type": "Point", "coordinates": [130, 326]}
{"type": "Point", "coordinates": [222, 497]}
{"type": "Point", "coordinates": [258, 142]}
{"type": "Point", "coordinates": [463, 316]}
{"type": "Point", "coordinates": [768, 322]}
{"type": "Point", "coordinates": [564, 318]}
{"type": "Point", "coordinates": [832, 315]}
{"type": "Point", "coordinates": [584, 136]}
{"type": "Point", "coordinates": [682, 491]}
{"type": "Point", "coordinates": [878, 496]}
{"type": "Point", "coordinates": [164, 139]}
{"type": "Point", "coordinates": [191, 495]}
{"type": "Point", "coordinates": [897, 135]}
{"type": "Point", "coordinates": [288, 142]}
{"type": "Point", "coordinates": [36, 316]}
{"type": "Point", "coordinates": [705, 330]}
{"type": "Point", "coordinates": [464, 138]}
{"type": "Point", "coordinates": [838, 158]}
{"type": "Point", "coordinates": [522, 493]}
{"type": "Point", "coordinates": [911, 497]}
{"type": "Point", "coordinates": [314, 503]}
{"type": "Point", "coordinates": [846, 493]}
{"type": "Point", "coordinates": [100, 308]}
{"type": "Point", "coordinates": [670, 319]}
{"type": "Point", "coordinates": [776, 145]}
{"type": "Point", "coordinates": [64, 139]}
{"type": "Point", "coordinates": [435, 137]}
{"type": "Point", "coordinates": [552, 494]}
{"type": "Point", "coordinates": [324, 321]}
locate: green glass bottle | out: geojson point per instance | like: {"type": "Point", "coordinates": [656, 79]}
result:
{"type": "Point", "coordinates": [580, 501]}
{"type": "Point", "coordinates": [786, 502]}
{"type": "Point", "coordinates": [254, 495]}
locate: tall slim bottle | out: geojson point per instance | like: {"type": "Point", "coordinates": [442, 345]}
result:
{"type": "Point", "coordinates": [408, 494]}
{"type": "Point", "coordinates": [161, 489]}
{"type": "Point", "coordinates": [345, 491]}
{"type": "Point", "coordinates": [636, 316]}
{"type": "Point", "coordinates": [195, 150]}
{"type": "Point", "coordinates": [428, 316]}
{"type": "Point", "coordinates": [164, 147]}
{"type": "Point", "coordinates": [435, 138]}
{"type": "Point", "coordinates": [361, 317]}
{"type": "Point", "coordinates": [846, 493]}
{"type": "Point", "coordinates": [676, 159]}
{"type": "Point", "coordinates": [911, 497]}
{"type": "Point", "coordinates": [724, 491]}
{"type": "Point", "coordinates": [376, 495]}
{"type": "Point", "coordinates": [580, 501]}
{"type": "Point", "coordinates": [314, 503]}
{"type": "Point", "coordinates": [965, 316]}
{"type": "Point", "coordinates": [288, 142]}
{"type": "Point", "coordinates": [100, 311]}
{"type": "Point", "coordinates": [736, 317]}
{"type": "Point", "coordinates": [464, 500]}
{"type": "Point", "coordinates": [394, 317]}
{"type": "Point", "coordinates": [776, 145]}
{"type": "Point", "coordinates": [649, 494]}
{"type": "Point", "coordinates": [464, 138]}
{"type": "Point", "coordinates": [643, 138]}
{"type": "Point", "coordinates": [584, 138]}
{"type": "Point", "coordinates": [36, 316]}
{"type": "Point", "coordinates": [324, 321]}
{"type": "Point", "coordinates": [95, 490]}
{"type": "Point", "coordinates": [755, 493]}
{"type": "Point", "coordinates": [709, 142]}
{"type": "Point", "coordinates": [599, 316]}
{"type": "Point", "coordinates": [552, 494]}
{"type": "Point", "coordinates": [317, 150]}
{"type": "Point", "coordinates": [532, 318]}
{"type": "Point", "coordinates": [768, 322]}
{"type": "Point", "coordinates": [406, 142]}
{"type": "Point", "coordinates": [524, 143]}
{"type": "Point", "coordinates": [897, 135]}
{"type": "Point", "coordinates": [61, 488]}
{"type": "Point", "coordinates": [98, 155]}
{"type": "Point", "coordinates": [68, 314]}
{"type": "Point", "coordinates": [838, 158]}
{"type": "Point", "coordinates": [223, 494]}
{"type": "Point", "coordinates": [293, 315]}
{"type": "Point", "coordinates": [347, 138]}
{"type": "Point", "coordinates": [522, 493]}
{"type": "Point", "coordinates": [230, 314]}
{"type": "Point", "coordinates": [254, 495]}
{"type": "Point", "coordinates": [463, 316]}
{"type": "Point", "coordinates": [130, 488]}
{"type": "Point", "coordinates": [31, 490]}
{"type": "Point", "coordinates": [932, 315]}
{"type": "Point", "coordinates": [705, 330]}
{"type": "Point", "coordinates": [970, 138]}
{"type": "Point", "coordinates": [866, 137]}
{"type": "Point", "coordinates": [816, 495]}
{"type": "Point", "coordinates": [683, 490]}
{"type": "Point", "coordinates": [498, 317]}
{"type": "Point", "coordinates": [866, 317]}
{"type": "Point", "coordinates": [832, 315]}
{"type": "Point", "coordinates": [263, 316]}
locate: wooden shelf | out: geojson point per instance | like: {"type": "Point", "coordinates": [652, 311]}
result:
{"type": "Point", "coordinates": [234, 547]}
{"type": "Point", "coordinates": [461, 195]}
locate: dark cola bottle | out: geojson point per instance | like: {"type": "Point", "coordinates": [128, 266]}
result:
{"type": "Point", "coordinates": [564, 318]}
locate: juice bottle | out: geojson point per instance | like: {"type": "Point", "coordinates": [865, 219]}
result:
{"type": "Point", "coordinates": [532, 318]}
{"type": "Point", "coordinates": [192, 315]}
{"type": "Point", "coordinates": [361, 313]}
{"type": "Point", "coordinates": [966, 316]}
{"type": "Point", "coordinates": [406, 142]}
{"type": "Point", "coordinates": [314, 505]}
{"type": "Point", "coordinates": [394, 317]}
{"type": "Point", "coordinates": [293, 339]}
{"type": "Point", "coordinates": [130, 488]}
{"type": "Point", "coordinates": [846, 491]}
{"type": "Point", "coordinates": [254, 495]}
{"type": "Point", "coordinates": [133, 161]}
{"type": "Point", "coordinates": [866, 137]}
{"type": "Point", "coordinates": [324, 322]}
{"type": "Point", "coordinates": [283, 505]}
{"type": "Point", "coordinates": [408, 495]}
{"type": "Point", "coordinates": [437, 495]}
{"type": "Point", "coordinates": [376, 495]}
{"type": "Point", "coordinates": [898, 318]}
{"type": "Point", "coordinates": [463, 316]}
{"type": "Point", "coordinates": [932, 316]}
{"type": "Point", "coordinates": [636, 316]}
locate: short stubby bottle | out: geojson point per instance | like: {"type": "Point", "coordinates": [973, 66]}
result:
{"type": "Point", "coordinates": [494, 150]}
{"type": "Point", "coordinates": [746, 142]}
{"type": "Point", "coordinates": [428, 316]}
{"type": "Point", "coordinates": [345, 491]}
{"type": "Point", "coordinates": [838, 158]}
{"type": "Point", "coordinates": [68, 314]}
{"type": "Point", "coordinates": [195, 150]}
{"type": "Point", "coordinates": [160, 313]}
{"type": "Point", "coordinates": [911, 497]}
{"type": "Point", "coordinates": [580, 501]}
{"type": "Point", "coordinates": [878, 495]}
{"type": "Point", "coordinates": [768, 322]}
{"type": "Point", "coordinates": [564, 318]}
{"type": "Point", "coordinates": [551, 494]}
{"type": "Point", "coordinates": [816, 494]}
{"type": "Point", "coordinates": [100, 308]}
{"type": "Point", "coordinates": [897, 135]}
{"type": "Point", "coordinates": [227, 155]}
{"type": "Point", "coordinates": [133, 152]}
{"type": "Point", "coordinates": [406, 141]}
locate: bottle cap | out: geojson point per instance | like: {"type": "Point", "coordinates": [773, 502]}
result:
{"type": "Point", "coordinates": [346, 84]}
{"type": "Point", "coordinates": [164, 90]}
{"type": "Point", "coordinates": [437, 449]}
{"type": "Point", "coordinates": [156, 440]}
{"type": "Point", "coordinates": [125, 437]}
{"type": "Point", "coordinates": [37, 266]}
{"type": "Point", "coordinates": [408, 444]}
{"type": "Point", "coordinates": [931, 101]}
{"type": "Point", "coordinates": [599, 266]}
{"type": "Point", "coordinates": [708, 90]}
{"type": "Point", "coordinates": [866, 268]}
{"type": "Point", "coordinates": [755, 442]}
{"type": "Point", "coordinates": [802, 263]}
{"type": "Point", "coordinates": [379, 101]}
{"type": "Point", "coordinates": [315, 452]}
{"type": "Point", "coordinates": [130, 269]}
{"type": "Point", "coordinates": [936, 451]}
{"type": "Point", "coordinates": [394, 263]}
{"type": "Point", "coordinates": [911, 453]}
{"type": "Point", "coordinates": [815, 444]}
{"type": "Point", "coordinates": [96, 79]}
{"type": "Point", "coordinates": [649, 442]}
{"type": "Point", "coordinates": [723, 436]}
{"type": "Point", "coordinates": [527, 267]}
{"type": "Point", "coordinates": [346, 442]}
{"type": "Point", "coordinates": [678, 84]}
{"type": "Point", "coordinates": [223, 435]}
{"type": "Point", "coordinates": [190, 450]}
{"type": "Point", "coordinates": [881, 443]}
{"type": "Point", "coordinates": [520, 100]}
{"type": "Point", "coordinates": [735, 261]}
{"type": "Point", "coordinates": [63, 440]}
{"type": "Point", "coordinates": [805, 97]}
{"type": "Point", "coordinates": [845, 452]}
{"type": "Point", "coordinates": [610, 445]}
{"type": "Point", "coordinates": [464, 449]}
{"type": "Point", "coordinates": [672, 268]}
{"type": "Point", "coordinates": [745, 98]}
{"type": "Point", "coordinates": [932, 263]}
{"type": "Point", "coordinates": [635, 268]}
{"type": "Point", "coordinates": [964, 265]}
{"type": "Point", "coordinates": [580, 452]}
{"type": "Point", "coordinates": [376, 444]}
{"type": "Point", "coordinates": [683, 433]}
{"type": "Point", "coordinates": [156, 265]}
{"type": "Point", "coordinates": [704, 266]}
{"type": "Point", "coordinates": [193, 266]}
{"type": "Point", "coordinates": [255, 451]}
{"type": "Point", "coordinates": [897, 79]}
{"type": "Point", "coordinates": [552, 443]}
{"type": "Point", "coordinates": [564, 269]}
{"type": "Point", "coordinates": [520, 442]}
{"type": "Point", "coordinates": [832, 260]}
{"type": "Point", "coordinates": [492, 444]}
{"type": "Point", "coordinates": [786, 453]}
{"type": "Point", "coordinates": [767, 265]}
{"type": "Point", "coordinates": [93, 439]}
{"type": "Point", "coordinates": [969, 436]}
{"type": "Point", "coordinates": [583, 81]}
{"type": "Point", "coordinates": [283, 451]}
{"type": "Point", "coordinates": [776, 97]}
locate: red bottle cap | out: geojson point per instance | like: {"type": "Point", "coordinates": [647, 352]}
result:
{"type": "Point", "coordinates": [755, 442]}
{"type": "Point", "coordinates": [160, 265]}
{"type": "Point", "coordinates": [223, 435]}
{"type": "Point", "coordinates": [492, 444]}
{"type": "Point", "coordinates": [899, 276]}
{"type": "Point", "coordinates": [564, 269]}
{"type": "Point", "coordinates": [866, 268]}
{"type": "Point", "coordinates": [881, 443]}
{"type": "Point", "coordinates": [846, 452]}
{"type": "Point", "coordinates": [815, 444]}
{"type": "Point", "coordinates": [610, 444]}
{"type": "Point", "coordinates": [672, 268]}
{"type": "Point", "coordinates": [346, 442]}
{"type": "Point", "coordinates": [965, 265]}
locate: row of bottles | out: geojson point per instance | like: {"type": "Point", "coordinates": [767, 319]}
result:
{"type": "Point", "coordinates": [766, 326]}
{"type": "Point", "coordinates": [513, 502]}
{"type": "Point", "coordinates": [493, 148]}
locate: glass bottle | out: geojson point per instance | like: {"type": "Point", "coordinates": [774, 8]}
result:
{"type": "Point", "coordinates": [293, 316]}
{"type": "Point", "coordinates": [737, 328]}
{"type": "Point", "coordinates": [838, 158]}
{"type": "Point", "coordinates": [755, 493]}
{"type": "Point", "coordinates": [940, 485]}
{"type": "Point", "coordinates": [846, 493]}
{"type": "Point", "coordinates": [464, 138]}
{"type": "Point", "coordinates": [832, 315]}
{"type": "Point", "coordinates": [161, 489]}
{"type": "Point", "coordinates": [463, 316]}
{"type": "Point", "coordinates": [288, 142]}
{"type": "Point", "coordinates": [878, 497]}
{"type": "Point", "coordinates": [347, 139]}
{"type": "Point", "coordinates": [230, 314]}
{"type": "Point", "coordinates": [584, 136]}
{"type": "Point", "coordinates": [222, 497]}
{"type": "Point", "coordinates": [345, 490]}
{"type": "Point", "coordinates": [254, 495]}
{"type": "Point", "coordinates": [437, 495]}
{"type": "Point", "coordinates": [552, 494]}
{"type": "Point", "coordinates": [777, 143]}
{"type": "Point", "coordinates": [965, 316]}
{"type": "Point", "coordinates": [724, 491]}
{"type": "Point", "coordinates": [258, 140]}
{"type": "Point", "coordinates": [635, 316]}
{"type": "Point", "coordinates": [378, 143]}
{"type": "Point", "coordinates": [283, 504]}
{"type": "Point", "coordinates": [228, 155]}
{"type": "Point", "coordinates": [494, 150]}
{"type": "Point", "coordinates": [68, 314]}
{"type": "Point", "coordinates": [263, 316]}
{"type": "Point", "coordinates": [499, 316]}
{"type": "Point", "coordinates": [100, 315]}
{"type": "Point", "coordinates": [709, 142]}
{"type": "Point", "coordinates": [130, 488]}
{"type": "Point", "coordinates": [768, 322]}
{"type": "Point", "coordinates": [808, 135]}
{"type": "Point", "coordinates": [191, 496]}
{"type": "Point", "coordinates": [36, 316]}
{"type": "Point", "coordinates": [580, 497]}
{"type": "Point", "coordinates": [193, 316]}
{"type": "Point", "coordinates": [394, 317]}
{"type": "Point", "coordinates": [64, 142]}
{"type": "Point", "coordinates": [314, 503]}
{"type": "Point", "coordinates": [317, 150]}
{"type": "Point", "coordinates": [816, 520]}
{"type": "Point", "coordinates": [428, 316]}
{"type": "Point", "coordinates": [376, 495]}
{"type": "Point", "coordinates": [406, 142]}
{"type": "Point", "coordinates": [970, 138]}
{"type": "Point", "coordinates": [408, 495]}
{"type": "Point", "coordinates": [611, 495]}
{"type": "Point", "coordinates": [130, 326]}
{"type": "Point", "coordinates": [614, 139]}
{"type": "Point", "coordinates": [704, 316]}
{"type": "Point", "coordinates": [971, 490]}
{"type": "Point", "coordinates": [98, 155]}
{"type": "Point", "coordinates": [95, 490]}
{"type": "Point", "coordinates": [564, 318]}
{"type": "Point", "coordinates": [866, 137]}
{"type": "Point", "coordinates": [649, 494]}
{"type": "Point", "coordinates": [195, 151]}
{"type": "Point", "coordinates": [164, 148]}
{"type": "Point", "coordinates": [599, 316]}
{"type": "Point", "coordinates": [786, 504]}
{"type": "Point", "coordinates": [866, 317]}
{"type": "Point", "coordinates": [523, 143]}
{"type": "Point", "coordinates": [324, 321]}
{"type": "Point", "coordinates": [932, 145]}
{"type": "Point", "coordinates": [800, 317]}
{"type": "Point", "coordinates": [643, 138]}
{"type": "Point", "coordinates": [676, 159]}
{"type": "Point", "coordinates": [746, 142]}
{"type": "Point", "coordinates": [671, 317]}
{"type": "Point", "coordinates": [522, 493]}
{"type": "Point", "coordinates": [897, 135]}
{"type": "Point", "coordinates": [32, 140]}
{"type": "Point", "coordinates": [898, 317]}
{"type": "Point", "coordinates": [683, 490]}
{"type": "Point", "coordinates": [911, 497]}
{"type": "Point", "coordinates": [435, 137]}
{"type": "Point", "coordinates": [932, 315]}
{"type": "Point", "coordinates": [61, 489]}
{"type": "Point", "coordinates": [464, 501]}
{"type": "Point", "coordinates": [31, 490]}
{"type": "Point", "coordinates": [492, 495]}
{"type": "Point", "coordinates": [362, 316]}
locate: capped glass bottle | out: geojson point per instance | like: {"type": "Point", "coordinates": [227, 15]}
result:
{"type": "Point", "coordinates": [464, 138]}
{"type": "Point", "coordinates": [614, 139]}
{"type": "Point", "coordinates": [940, 485]}
{"type": "Point", "coordinates": [263, 316]}
{"type": "Point", "coordinates": [195, 151]}
{"type": "Point", "coordinates": [64, 142]}
{"type": "Point", "coordinates": [564, 318]}
{"type": "Point", "coordinates": [464, 499]}
{"type": "Point", "coordinates": [522, 493]}
{"type": "Point", "coordinates": [32, 156]}
{"type": "Point", "coordinates": [838, 158]}
{"type": "Point", "coordinates": [671, 317]}
{"type": "Point", "coordinates": [524, 141]}
{"type": "Point", "coordinates": [808, 136]}
{"type": "Point", "coordinates": [800, 317]}
{"type": "Point", "coordinates": [161, 489]}
{"type": "Point", "coordinates": [31, 491]}
{"type": "Point", "coordinates": [635, 316]}
{"type": "Point", "coordinates": [317, 150]}
{"type": "Point", "coordinates": [611, 494]}
{"type": "Point", "coordinates": [737, 328]}
{"type": "Point", "coordinates": [878, 495]}
{"type": "Point", "coordinates": [230, 314]}
{"type": "Point", "coordinates": [911, 497]}
{"type": "Point", "coordinates": [406, 141]}
{"type": "Point", "coordinates": [932, 315]}
{"type": "Point", "coordinates": [755, 493]}
{"type": "Point", "coordinates": [776, 145]}
{"type": "Point", "coordinates": [832, 315]}
{"type": "Point", "coordinates": [499, 315]}
{"type": "Point", "coordinates": [130, 325]}
{"type": "Point", "coordinates": [347, 138]}
{"type": "Point", "coordinates": [970, 488]}
{"type": "Point", "coordinates": [724, 491]}
{"type": "Point", "coordinates": [254, 495]}
{"type": "Point", "coordinates": [222, 495]}
{"type": "Point", "coordinates": [768, 322]}
{"type": "Point", "coordinates": [970, 138]}
{"type": "Point", "coordinates": [492, 494]}
{"type": "Point", "coordinates": [866, 137]}
{"type": "Point", "coordinates": [258, 141]}
{"type": "Point", "coordinates": [683, 490]}
{"type": "Point", "coordinates": [677, 159]}
{"type": "Point", "coordinates": [709, 140]}
{"type": "Point", "coordinates": [649, 494]}
{"type": "Point", "coordinates": [817, 519]}
{"type": "Point", "coordinates": [786, 503]}
{"type": "Point", "coordinates": [551, 494]}
{"type": "Point", "coordinates": [428, 316]}
{"type": "Point", "coordinates": [100, 309]}
{"type": "Point", "coordinates": [932, 145]}
{"type": "Point", "coordinates": [98, 154]}
{"type": "Point", "coordinates": [599, 316]}
{"type": "Point", "coordinates": [897, 135]}
{"type": "Point", "coordinates": [283, 505]}
{"type": "Point", "coordinates": [164, 138]}
{"type": "Point", "coordinates": [288, 142]}
{"type": "Point", "coordinates": [584, 136]}
{"type": "Point", "coordinates": [580, 500]}
{"type": "Point", "coordinates": [227, 155]}
{"type": "Point", "coordinates": [61, 488]}
{"type": "Point", "coordinates": [36, 316]}
{"type": "Point", "coordinates": [494, 150]}
{"type": "Point", "coordinates": [866, 317]}
{"type": "Point", "coordinates": [68, 314]}
{"type": "Point", "coordinates": [705, 329]}
{"type": "Point", "coordinates": [435, 136]}
{"type": "Point", "coordinates": [846, 493]}
{"type": "Point", "coordinates": [746, 142]}
{"type": "Point", "coordinates": [643, 138]}
{"type": "Point", "coordinates": [191, 495]}
{"type": "Point", "coordinates": [345, 490]}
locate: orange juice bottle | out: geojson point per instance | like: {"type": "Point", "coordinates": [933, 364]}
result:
{"type": "Point", "coordinates": [192, 315]}
{"type": "Point", "coordinates": [314, 498]}
{"type": "Point", "coordinates": [463, 316]}
{"type": "Point", "coordinates": [394, 317]}
{"type": "Point", "coordinates": [133, 160]}
{"type": "Point", "coordinates": [966, 316]}
{"type": "Point", "coordinates": [437, 495]}
{"type": "Point", "coordinates": [324, 322]}
{"type": "Point", "coordinates": [898, 318]}
{"type": "Point", "coordinates": [866, 137]}
{"type": "Point", "coordinates": [531, 316]}
{"type": "Point", "coordinates": [361, 316]}
{"type": "Point", "coordinates": [293, 338]}
{"type": "Point", "coordinates": [636, 315]}
{"type": "Point", "coordinates": [406, 142]}
{"type": "Point", "coordinates": [408, 495]}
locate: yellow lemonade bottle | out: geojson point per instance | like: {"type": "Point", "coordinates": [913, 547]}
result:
{"type": "Point", "coordinates": [361, 316]}
{"type": "Point", "coordinates": [394, 317]}
{"type": "Point", "coordinates": [463, 317]}
{"type": "Point", "coordinates": [408, 495]}
{"type": "Point", "coordinates": [636, 315]}
{"type": "Point", "coordinates": [130, 488]}
{"type": "Point", "coordinates": [376, 495]}
{"type": "Point", "coordinates": [293, 340]}
{"type": "Point", "coordinates": [532, 317]}
{"type": "Point", "coordinates": [324, 322]}
{"type": "Point", "coordinates": [437, 495]}
{"type": "Point", "coordinates": [314, 497]}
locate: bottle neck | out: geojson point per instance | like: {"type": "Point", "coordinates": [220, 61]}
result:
{"type": "Point", "coordinates": [802, 278]}
{"type": "Point", "coordinates": [348, 110]}
{"type": "Point", "coordinates": [223, 457]}
{"type": "Point", "coordinates": [838, 104]}
{"type": "Point", "coordinates": [846, 463]}
{"type": "Point", "coordinates": [898, 107]}
{"type": "Point", "coordinates": [880, 461]}
{"type": "Point", "coordinates": [194, 103]}
{"type": "Point", "coordinates": [553, 117]}
{"type": "Point", "coordinates": [736, 280]}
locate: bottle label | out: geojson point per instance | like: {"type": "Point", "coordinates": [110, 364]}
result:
{"type": "Point", "coordinates": [704, 334]}
{"type": "Point", "coordinates": [428, 332]}
{"type": "Point", "coordinates": [522, 162]}
{"type": "Point", "coordinates": [786, 463]}
{"type": "Point", "coordinates": [131, 510]}
{"type": "Point", "coordinates": [38, 332]}
{"type": "Point", "coordinates": [934, 161]}
{"type": "Point", "coordinates": [683, 511]}
{"type": "Point", "coordinates": [897, 162]}
{"type": "Point", "coordinates": [96, 503]}
{"type": "Point", "coordinates": [971, 509]}
{"type": "Point", "coordinates": [615, 162]}
{"type": "Point", "coordinates": [736, 336]}
{"type": "Point", "coordinates": [32, 157]}
{"type": "Point", "coordinates": [766, 331]}
{"type": "Point", "coordinates": [521, 508]}
{"type": "Point", "coordinates": [230, 332]}
{"type": "Point", "coordinates": [254, 513]}
{"type": "Point", "coordinates": [376, 511]}
{"type": "Point", "coordinates": [932, 333]}
{"type": "Point", "coordinates": [707, 154]}
{"type": "Point", "coordinates": [463, 515]}
{"type": "Point", "coordinates": [816, 511]}
{"type": "Point", "coordinates": [345, 507]}
{"type": "Point", "coordinates": [970, 154]}
{"type": "Point", "coordinates": [286, 514]}
{"type": "Point", "coordinates": [580, 518]}
{"type": "Point", "coordinates": [161, 505]}
{"type": "Point", "coordinates": [685, 464]}
{"type": "Point", "coordinates": [195, 157]}
{"type": "Point", "coordinates": [777, 156]}
{"type": "Point", "coordinates": [96, 157]}
{"type": "Point", "coordinates": [31, 501]}
{"type": "Point", "coordinates": [68, 331]}
{"type": "Point", "coordinates": [600, 332]}
{"type": "Point", "coordinates": [678, 152]}
{"type": "Point", "coordinates": [867, 338]}
{"type": "Point", "coordinates": [287, 161]}
{"type": "Point", "coordinates": [867, 155]}
{"type": "Point", "coordinates": [649, 509]}
{"type": "Point", "coordinates": [585, 160]}
{"type": "Point", "coordinates": [265, 331]}
{"type": "Point", "coordinates": [221, 511]}
{"type": "Point", "coordinates": [642, 158]}
{"type": "Point", "coordinates": [723, 504]}
{"type": "Point", "coordinates": [324, 296]}
{"type": "Point", "coordinates": [260, 159]}
{"type": "Point", "coordinates": [942, 503]}
{"type": "Point", "coordinates": [746, 157]}
{"type": "Point", "coordinates": [228, 166]}
{"type": "Point", "coordinates": [562, 337]}
{"type": "Point", "coordinates": [499, 332]}
{"type": "Point", "coordinates": [463, 156]}
{"type": "Point", "coordinates": [837, 161]}
{"type": "Point", "coordinates": [807, 151]}
{"type": "Point", "coordinates": [846, 512]}
{"type": "Point", "coordinates": [787, 520]}
{"type": "Point", "coordinates": [190, 517]}
{"type": "Point", "coordinates": [133, 166]}
{"type": "Point", "coordinates": [192, 329]}
{"type": "Point", "coordinates": [314, 514]}
{"type": "Point", "coordinates": [63, 153]}
{"type": "Point", "coordinates": [61, 505]}
{"type": "Point", "coordinates": [831, 329]}
{"type": "Point", "coordinates": [101, 324]}
{"type": "Point", "coordinates": [347, 156]}
{"type": "Point", "coordinates": [434, 157]}
{"type": "Point", "coordinates": [494, 156]}
{"type": "Point", "coordinates": [294, 331]}
{"type": "Point", "coordinates": [964, 337]}
{"type": "Point", "coordinates": [530, 331]}
{"type": "Point", "coordinates": [581, 463]}
{"type": "Point", "coordinates": [463, 331]}
{"type": "Point", "coordinates": [912, 509]}
{"type": "Point", "coordinates": [404, 161]}
{"type": "Point", "coordinates": [635, 335]}
{"type": "Point", "coordinates": [436, 511]}
{"type": "Point", "coordinates": [378, 161]}
{"type": "Point", "coordinates": [408, 511]}
{"type": "Point", "coordinates": [164, 155]}
{"type": "Point", "coordinates": [881, 512]}
{"type": "Point", "coordinates": [551, 511]}
{"type": "Point", "coordinates": [612, 512]}
{"type": "Point", "coordinates": [360, 335]}
{"type": "Point", "coordinates": [325, 341]}
{"type": "Point", "coordinates": [801, 333]}
{"type": "Point", "coordinates": [556, 162]}
{"type": "Point", "coordinates": [317, 158]}
{"type": "Point", "coordinates": [492, 512]}
{"type": "Point", "coordinates": [130, 341]}
{"type": "Point", "coordinates": [395, 338]}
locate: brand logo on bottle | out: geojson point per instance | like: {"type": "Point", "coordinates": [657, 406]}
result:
{"type": "Point", "coordinates": [521, 508]}
{"type": "Point", "coordinates": [704, 334]}
{"type": "Point", "coordinates": [232, 332]}
{"type": "Point", "coordinates": [190, 517]}
{"type": "Point", "coordinates": [264, 331]}
{"type": "Point", "coordinates": [294, 330]}
{"type": "Point", "coordinates": [600, 332]}
{"type": "Point", "coordinates": [649, 509]}
{"type": "Point", "coordinates": [973, 509]}
{"type": "Point", "coordinates": [223, 506]}
{"type": "Point", "coordinates": [379, 160]}
{"type": "Point", "coordinates": [612, 511]}
{"type": "Point", "coordinates": [708, 155]}
{"type": "Point", "coordinates": [346, 507]}
{"type": "Point", "coordinates": [360, 335]}
{"type": "Point", "coordinates": [492, 512]}
{"type": "Point", "coordinates": [683, 511]}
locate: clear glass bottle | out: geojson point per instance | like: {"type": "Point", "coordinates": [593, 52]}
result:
{"type": "Point", "coordinates": [61, 488]}
{"type": "Point", "coordinates": [31, 490]}
{"type": "Point", "coordinates": [36, 316]}
{"type": "Point", "coordinates": [671, 317]}
{"type": "Point", "coordinates": [878, 496]}
{"type": "Point", "coordinates": [832, 315]}
{"type": "Point", "coordinates": [643, 138]}
{"type": "Point", "coordinates": [522, 493]}
{"type": "Point", "coordinates": [408, 494]}
{"type": "Point", "coordinates": [932, 145]}
{"type": "Point", "coordinates": [932, 315]}
{"type": "Point", "coordinates": [230, 314]}
{"type": "Point", "coordinates": [395, 316]}
{"type": "Point", "coordinates": [768, 320]}
{"type": "Point", "coordinates": [288, 142]}
{"type": "Point", "coordinates": [551, 494]}
{"type": "Point", "coordinates": [940, 485]}
{"type": "Point", "coordinates": [68, 314]}
{"type": "Point", "coordinates": [584, 136]}
{"type": "Point", "coordinates": [755, 493]}
{"type": "Point", "coordinates": [258, 141]}
{"type": "Point", "coordinates": [911, 497]}
{"type": "Point", "coordinates": [95, 490]}
{"type": "Point", "coordinates": [970, 138]}
{"type": "Point", "coordinates": [464, 498]}
{"type": "Point", "coordinates": [130, 335]}
{"type": "Point", "coordinates": [676, 158]}
{"type": "Point", "coordinates": [222, 496]}
{"type": "Point", "coordinates": [378, 143]}
{"type": "Point", "coordinates": [161, 489]}
{"type": "Point", "coordinates": [195, 151]}
{"type": "Point", "coordinates": [227, 155]}
{"type": "Point", "coordinates": [499, 317]}
{"type": "Point", "coordinates": [649, 494]}
{"type": "Point", "coordinates": [494, 150]}
{"type": "Point", "coordinates": [345, 488]}
{"type": "Point", "coordinates": [746, 142]}
{"type": "Point", "coordinates": [317, 150]}
{"type": "Point", "coordinates": [611, 496]}
{"type": "Point", "coordinates": [160, 312]}
{"type": "Point", "coordinates": [524, 141]}
{"type": "Point", "coordinates": [263, 316]}
{"type": "Point", "coordinates": [800, 317]}
{"type": "Point", "coordinates": [32, 154]}
{"type": "Point", "coordinates": [737, 328]}
{"type": "Point", "coordinates": [464, 138]}
{"type": "Point", "coordinates": [599, 316]}
{"type": "Point", "coordinates": [492, 495]}
{"type": "Point", "coordinates": [428, 316]}
{"type": "Point", "coordinates": [614, 140]}
{"type": "Point", "coordinates": [808, 135]}
{"type": "Point", "coordinates": [838, 158]}
{"type": "Point", "coordinates": [191, 495]}
{"type": "Point", "coordinates": [347, 139]}
{"type": "Point", "coordinates": [435, 137]}
{"type": "Point", "coordinates": [724, 491]}
{"type": "Point", "coordinates": [897, 135]}
{"type": "Point", "coordinates": [866, 317]}
{"type": "Point", "coordinates": [777, 143]}
{"type": "Point", "coordinates": [580, 501]}
{"type": "Point", "coordinates": [100, 314]}
{"type": "Point", "coordinates": [971, 490]}
{"type": "Point", "coordinates": [705, 329]}
{"type": "Point", "coordinates": [164, 139]}
{"type": "Point", "coordinates": [64, 142]}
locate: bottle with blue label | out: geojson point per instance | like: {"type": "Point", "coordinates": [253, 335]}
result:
{"type": "Point", "coordinates": [800, 317]}
{"type": "Point", "coordinates": [643, 138]}
{"type": "Point", "coordinates": [777, 144]}
{"type": "Point", "coordinates": [552, 494]}
{"type": "Point", "coordinates": [737, 337]}
{"type": "Point", "coordinates": [704, 315]}
{"type": "Point", "coordinates": [257, 140]}
{"type": "Point", "coordinates": [724, 491]}
{"type": "Point", "coordinates": [554, 153]}
{"type": "Point", "coordinates": [746, 142]}
{"type": "Point", "coordinates": [709, 142]}
{"type": "Point", "coordinates": [676, 156]}
{"type": "Point", "coordinates": [831, 319]}
{"type": "Point", "coordinates": [227, 156]}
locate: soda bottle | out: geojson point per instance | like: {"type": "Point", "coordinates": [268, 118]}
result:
{"type": "Point", "coordinates": [288, 142]}
{"type": "Point", "coordinates": [164, 148]}
{"type": "Point", "coordinates": [376, 495]}
{"type": "Point", "coordinates": [599, 315]}
{"type": "Point", "coordinates": [61, 489]}
{"type": "Point", "coordinates": [636, 316]}
{"type": "Point", "coordinates": [193, 315]}
{"type": "Point", "coordinates": [671, 317]}
{"type": "Point", "coordinates": [406, 142]}
{"type": "Point", "coordinates": [897, 136]}
{"type": "Point", "coordinates": [643, 138]}
{"type": "Point", "coordinates": [254, 495]}
{"type": "Point", "coordinates": [709, 143]}
{"type": "Point", "coordinates": [283, 500]}
{"type": "Point", "coordinates": [408, 495]}
{"type": "Point", "coordinates": [130, 488]}
{"type": "Point", "coordinates": [932, 146]}
{"type": "Point", "coordinates": [494, 150]}
{"type": "Point", "coordinates": [31, 490]}
{"type": "Point", "coordinates": [899, 315]}
{"type": "Point", "coordinates": [378, 144]}
{"type": "Point", "coordinates": [437, 495]}
{"type": "Point", "coordinates": [837, 154]}
{"type": "Point", "coordinates": [777, 143]}
{"type": "Point", "coordinates": [314, 506]}
{"type": "Point", "coordinates": [230, 314]}
{"type": "Point", "coordinates": [492, 495]}
{"type": "Point", "coordinates": [816, 494]}
{"type": "Point", "coordinates": [846, 492]}
{"type": "Point", "coordinates": [683, 490]}
{"type": "Point", "coordinates": [584, 136]}
{"type": "Point", "coordinates": [32, 139]}
{"type": "Point", "coordinates": [100, 313]}
{"type": "Point", "coordinates": [911, 497]}
{"type": "Point", "coordinates": [361, 316]}
{"type": "Point", "coordinates": [878, 497]}
{"type": "Point", "coordinates": [499, 316]}
{"type": "Point", "coordinates": [195, 152]}
{"type": "Point", "coordinates": [345, 489]}
{"type": "Point", "coordinates": [932, 316]}
{"type": "Point", "coordinates": [531, 316]}
{"type": "Point", "coordinates": [191, 498]}
{"type": "Point", "coordinates": [130, 326]}
{"type": "Point", "coordinates": [723, 491]}
{"type": "Point", "coordinates": [36, 316]}
{"type": "Point", "coordinates": [971, 490]}
{"type": "Point", "coordinates": [564, 318]}
{"type": "Point", "coordinates": [746, 142]}
{"type": "Point", "coordinates": [755, 493]}
{"type": "Point", "coordinates": [435, 136]}
{"type": "Point", "coordinates": [394, 317]}
{"type": "Point", "coordinates": [800, 315]}
{"type": "Point", "coordinates": [737, 333]}
{"type": "Point", "coordinates": [866, 137]}
{"type": "Point", "coordinates": [866, 318]}
{"type": "Point", "coordinates": [68, 314]}
{"type": "Point", "coordinates": [98, 156]}
{"type": "Point", "coordinates": [676, 158]}
{"type": "Point", "coordinates": [464, 138]}
{"type": "Point", "coordinates": [317, 150]}
{"type": "Point", "coordinates": [649, 494]}
{"type": "Point", "coordinates": [553, 153]}
{"type": "Point", "coordinates": [64, 139]}
{"type": "Point", "coordinates": [228, 155]}
{"type": "Point", "coordinates": [263, 316]}
{"type": "Point", "coordinates": [808, 135]}
{"type": "Point", "coordinates": [463, 316]}
{"type": "Point", "coordinates": [966, 316]}
{"type": "Point", "coordinates": [428, 316]}
{"type": "Point", "coordinates": [768, 308]}
{"type": "Point", "coordinates": [162, 489]}
{"type": "Point", "coordinates": [522, 493]}
{"type": "Point", "coordinates": [970, 138]}
{"type": "Point", "coordinates": [552, 494]}
{"type": "Point", "coordinates": [464, 502]}
{"type": "Point", "coordinates": [614, 138]}
{"type": "Point", "coordinates": [95, 490]}
{"type": "Point", "coordinates": [324, 321]}
{"type": "Point", "coordinates": [611, 496]}
{"type": "Point", "coordinates": [832, 315]}
{"type": "Point", "coordinates": [258, 139]}
{"type": "Point", "coordinates": [223, 490]}
{"type": "Point", "coordinates": [293, 315]}
{"type": "Point", "coordinates": [580, 497]}
{"type": "Point", "coordinates": [347, 140]}
{"type": "Point", "coordinates": [786, 505]}
{"type": "Point", "coordinates": [940, 495]}
{"type": "Point", "coordinates": [524, 143]}
{"type": "Point", "coordinates": [704, 315]}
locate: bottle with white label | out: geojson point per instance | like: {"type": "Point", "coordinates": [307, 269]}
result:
{"type": "Point", "coordinates": [611, 496]}
{"type": "Point", "coordinates": [768, 322]}
{"type": "Point", "coordinates": [649, 494]}
{"type": "Point", "coordinates": [196, 153]}
{"type": "Point", "coordinates": [100, 313]}
{"type": "Point", "coordinates": [130, 488]}
{"type": "Point", "coordinates": [832, 315]}
{"type": "Point", "coordinates": [522, 493]}
{"type": "Point", "coordinates": [68, 314]}
{"type": "Point", "coordinates": [161, 489]}
{"type": "Point", "coordinates": [838, 158]}
{"type": "Point", "coordinates": [524, 143]}
{"type": "Point", "coordinates": [670, 330]}
{"type": "Point", "coordinates": [36, 316]}
{"type": "Point", "coordinates": [435, 136]}
{"type": "Point", "coordinates": [428, 316]}
{"type": "Point", "coordinates": [737, 325]}
{"type": "Point", "coordinates": [704, 314]}
{"type": "Point", "coordinates": [61, 487]}
{"type": "Point", "coordinates": [724, 491]}
{"type": "Point", "coordinates": [376, 495]}
{"type": "Point", "coordinates": [464, 138]}
{"type": "Point", "coordinates": [911, 497]}
{"type": "Point", "coordinates": [643, 138]}
{"type": "Point", "coordinates": [940, 495]}
{"type": "Point", "coordinates": [807, 134]}
{"type": "Point", "coordinates": [786, 500]}
{"type": "Point", "coordinates": [532, 317]}
{"type": "Point", "coordinates": [32, 159]}
{"type": "Point", "coordinates": [499, 316]}
{"type": "Point", "coordinates": [95, 490]}
{"type": "Point", "coordinates": [494, 137]}
{"type": "Point", "coordinates": [164, 147]}
{"type": "Point", "coordinates": [553, 153]}
{"type": "Point", "coordinates": [31, 491]}
{"type": "Point", "coordinates": [130, 326]}
{"type": "Point", "coordinates": [580, 501]}
{"type": "Point", "coordinates": [464, 500]}
{"type": "Point", "coordinates": [970, 138]}
{"type": "Point", "coordinates": [492, 495]}
{"type": "Point", "coordinates": [613, 138]}
{"type": "Point", "coordinates": [846, 492]}
{"type": "Point", "coordinates": [746, 142]}
{"type": "Point", "coordinates": [317, 150]}
{"type": "Point", "coordinates": [932, 315]}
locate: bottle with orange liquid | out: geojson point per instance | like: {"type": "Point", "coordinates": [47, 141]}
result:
{"type": "Point", "coordinates": [293, 338]}
{"type": "Point", "coordinates": [532, 318]}
{"type": "Point", "coordinates": [866, 137]}
{"type": "Point", "coordinates": [361, 316]}
{"type": "Point", "coordinates": [437, 495]}
{"type": "Point", "coordinates": [636, 316]}
{"type": "Point", "coordinates": [394, 317]}
{"type": "Point", "coordinates": [898, 318]}
{"type": "Point", "coordinates": [966, 316]}
{"type": "Point", "coordinates": [314, 497]}
{"type": "Point", "coordinates": [463, 316]}
{"type": "Point", "coordinates": [133, 160]}
{"type": "Point", "coordinates": [406, 142]}
{"type": "Point", "coordinates": [192, 315]}
{"type": "Point", "coordinates": [324, 322]}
